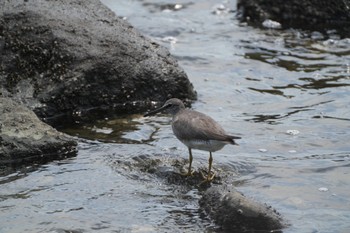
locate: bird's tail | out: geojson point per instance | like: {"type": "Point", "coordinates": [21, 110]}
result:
{"type": "Point", "coordinates": [231, 139]}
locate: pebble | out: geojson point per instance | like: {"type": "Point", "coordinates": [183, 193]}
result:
{"type": "Point", "coordinates": [292, 132]}
{"type": "Point", "coordinates": [268, 23]}
{"type": "Point", "coordinates": [170, 39]}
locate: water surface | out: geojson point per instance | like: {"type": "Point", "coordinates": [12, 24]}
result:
{"type": "Point", "coordinates": [286, 93]}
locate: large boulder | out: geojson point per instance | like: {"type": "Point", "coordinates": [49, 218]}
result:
{"type": "Point", "coordinates": [72, 60]}
{"type": "Point", "coordinates": [320, 15]}
{"type": "Point", "coordinates": [26, 139]}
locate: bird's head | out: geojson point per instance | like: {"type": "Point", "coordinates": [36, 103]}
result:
{"type": "Point", "coordinates": [171, 106]}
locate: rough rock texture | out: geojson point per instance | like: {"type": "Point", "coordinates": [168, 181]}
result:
{"type": "Point", "coordinates": [24, 138]}
{"type": "Point", "coordinates": [72, 60]}
{"type": "Point", "coordinates": [228, 208]}
{"type": "Point", "coordinates": [235, 212]}
{"type": "Point", "coordinates": [317, 15]}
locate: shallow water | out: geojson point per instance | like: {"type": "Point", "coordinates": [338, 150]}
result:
{"type": "Point", "coordinates": [286, 93]}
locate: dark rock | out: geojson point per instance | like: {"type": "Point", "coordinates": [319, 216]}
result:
{"type": "Point", "coordinates": [230, 210]}
{"type": "Point", "coordinates": [26, 139]}
{"type": "Point", "coordinates": [319, 15]}
{"type": "Point", "coordinates": [76, 60]}
{"type": "Point", "coordinates": [234, 212]}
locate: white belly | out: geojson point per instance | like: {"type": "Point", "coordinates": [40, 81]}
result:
{"type": "Point", "coordinates": [210, 145]}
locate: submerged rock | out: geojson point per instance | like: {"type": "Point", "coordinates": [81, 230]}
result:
{"type": "Point", "coordinates": [234, 212]}
{"type": "Point", "coordinates": [76, 60]}
{"type": "Point", "coordinates": [227, 207]}
{"type": "Point", "coordinates": [319, 15]}
{"type": "Point", "coordinates": [26, 139]}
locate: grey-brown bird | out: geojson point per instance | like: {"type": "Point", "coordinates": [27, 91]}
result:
{"type": "Point", "coordinates": [196, 130]}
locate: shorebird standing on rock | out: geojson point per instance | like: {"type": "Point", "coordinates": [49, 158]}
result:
{"type": "Point", "coordinates": [196, 130]}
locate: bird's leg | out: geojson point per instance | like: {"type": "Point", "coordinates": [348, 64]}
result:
{"type": "Point", "coordinates": [209, 177]}
{"type": "Point", "coordinates": [190, 172]}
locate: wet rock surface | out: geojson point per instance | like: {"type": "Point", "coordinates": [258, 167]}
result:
{"type": "Point", "coordinates": [310, 15]}
{"type": "Point", "coordinates": [76, 61]}
{"type": "Point", "coordinates": [26, 139]}
{"type": "Point", "coordinates": [222, 203]}
{"type": "Point", "coordinates": [235, 212]}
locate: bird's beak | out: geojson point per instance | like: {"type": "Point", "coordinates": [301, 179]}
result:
{"type": "Point", "coordinates": [155, 111]}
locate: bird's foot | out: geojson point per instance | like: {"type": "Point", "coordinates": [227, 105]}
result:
{"type": "Point", "coordinates": [208, 178]}
{"type": "Point", "coordinates": [188, 173]}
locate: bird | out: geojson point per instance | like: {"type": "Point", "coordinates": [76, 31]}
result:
{"type": "Point", "coordinates": [197, 131]}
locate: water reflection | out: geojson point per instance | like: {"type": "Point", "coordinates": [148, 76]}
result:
{"type": "Point", "coordinates": [324, 82]}
{"type": "Point", "coordinates": [120, 129]}
{"type": "Point", "coordinates": [273, 91]}
{"type": "Point", "coordinates": [275, 118]}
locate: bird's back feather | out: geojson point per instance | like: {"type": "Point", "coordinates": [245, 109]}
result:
{"type": "Point", "coordinates": [193, 125]}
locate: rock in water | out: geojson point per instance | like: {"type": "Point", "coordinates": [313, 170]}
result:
{"type": "Point", "coordinates": [73, 60]}
{"type": "Point", "coordinates": [315, 15]}
{"type": "Point", "coordinates": [235, 212]}
{"type": "Point", "coordinates": [25, 139]}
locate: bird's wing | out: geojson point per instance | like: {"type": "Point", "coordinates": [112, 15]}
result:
{"type": "Point", "coordinates": [198, 126]}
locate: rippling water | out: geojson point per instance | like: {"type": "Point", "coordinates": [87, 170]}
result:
{"type": "Point", "coordinates": [285, 92]}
